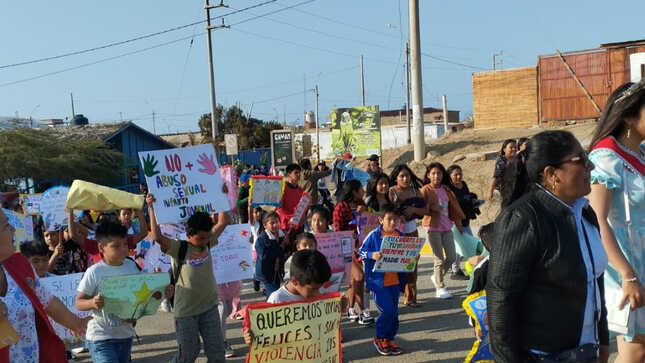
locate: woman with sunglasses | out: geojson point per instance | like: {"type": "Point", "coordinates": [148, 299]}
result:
{"type": "Point", "coordinates": [618, 196]}
{"type": "Point", "coordinates": [545, 287]}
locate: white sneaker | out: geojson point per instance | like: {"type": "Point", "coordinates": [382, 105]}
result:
{"type": "Point", "coordinates": [443, 293]}
{"type": "Point", "coordinates": [352, 314]}
{"type": "Point", "coordinates": [365, 318]}
{"type": "Point", "coordinates": [228, 351]}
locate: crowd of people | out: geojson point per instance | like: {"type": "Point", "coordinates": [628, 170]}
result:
{"type": "Point", "coordinates": [561, 265]}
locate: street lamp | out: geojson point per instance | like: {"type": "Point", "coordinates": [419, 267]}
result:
{"type": "Point", "coordinates": [31, 123]}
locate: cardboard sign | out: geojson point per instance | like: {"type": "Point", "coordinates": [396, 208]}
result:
{"type": "Point", "coordinates": [184, 181]}
{"type": "Point", "coordinates": [52, 208]}
{"type": "Point", "coordinates": [133, 296]}
{"type": "Point", "coordinates": [30, 203]}
{"type": "Point", "coordinates": [475, 307]}
{"type": "Point", "coordinates": [64, 288]}
{"type": "Point", "coordinates": [266, 190]}
{"type": "Point", "coordinates": [85, 196]}
{"type": "Point", "coordinates": [22, 224]}
{"type": "Point", "coordinates": [337, 247]}
{"type": "Point", "coordinates": [301, 210]}
{"type": "Point", "coordinates": [229, 177]}
{"type": "Point", "coordinates": [232, 256]}
{"type": "Point", "coordinates": [399, 254]}
{"type": "Point", "coordinates": [303, 331]}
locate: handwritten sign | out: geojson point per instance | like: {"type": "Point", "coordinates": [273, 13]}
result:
{"type": "Point", "coordinates": [184, 181]}
{"type": "Point", "coordinates": [399, 254]}
{"type": "Point", "coordinates": [337, 247]}
{"type": "Point", "coordinates": [133, 296]}
{"type": "Point", "coordinates": [301, 210]}
{"type": "Point", "coordinates": [366, 223]}
{"type": "Point", "coordinates": [52, 208]}
{"type": "Point", "coordinates": [156, 261]}
{"type": "Point", "coordinates": [64, 288]}
{"type": "Point", "coordinates": [19, 223]}
{"type": "Point", "coordinates": [266, 190]}
{"type": "Point", "coordinates": [232, 256]}
{"type": "Point", "coordinates": [303, 331]}
{"type": "Point", "coordinates": [173, 230]}
{"type": "Point", "coordinates": [30, 203]}
{"type": "Point", "coordinates": [475, 307]}
{"type": "Point", "coordinates": [229, 177]}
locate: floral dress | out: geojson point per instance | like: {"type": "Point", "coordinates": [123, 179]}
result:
{"type": "Point", "coordinates": [23, 319]}
{"type": "Point", "coordinates": [622, 172]}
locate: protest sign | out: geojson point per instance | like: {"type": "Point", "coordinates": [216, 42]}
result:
{"type": "Point", "coordinates": [229, 177]}
{"type": "Point", "coordinates": [232, 256]}
{"type": "Point", "coordinates": [187, 181]}
{"type": "Point", "coordinates": [366, 223]}
{"type": "Point", "coordinates": [266, 190]}
{"type": "Point", "coordinates": [475, 307]}
{"type": "Point", "coordinates": [230, 140]}
{"type": "Point", "coordinates": [399, 254]}
{"type": "Point", "coordinates": [17, 221]}
{"type": "Point", "coordinates": [156, 261]}
{"type": "Point", "coordinates": [301, 211]}
{"type": "Point", "coordinates": [133, 296]}
{"type": "Point", "coordinates": [337, 247]}
{"type": "Point", "coordinates": [30, 203]}
{"type": "Point", "coordinates": [52, 208]}
{"type": "Point", "coordinates": [282, 148]}
{"type": "Point", "coordinates": [64, 288]}
{"type": "Point", "coordinates": [302, 331]}
{"type": "Point", "coordinates": [173, 231]}
{"type": "Point", "coordinates": [85, 196]}
{"type": "Point", "coordinates": [356, 130]}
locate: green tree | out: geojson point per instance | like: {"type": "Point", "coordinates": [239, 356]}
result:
{"type": "Point", "coordinates": [251, 133]}
{"type": "Point", "coordinates": [38, 154]}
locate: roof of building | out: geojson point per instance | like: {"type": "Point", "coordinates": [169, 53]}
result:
{"type": "Point", "coordinates": [629, 43]}
{"type": "Point", "coordinates": [102, 131]}
{"type": "Point", "coordinates": [425, 110]}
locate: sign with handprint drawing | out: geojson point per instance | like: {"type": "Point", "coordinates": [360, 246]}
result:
{"type": "Point", "coordinates": [133, 296]}
{"type": "Point", "coordinates": [52, 208]}
{"type": "Point", "coordinates": [184, 181]}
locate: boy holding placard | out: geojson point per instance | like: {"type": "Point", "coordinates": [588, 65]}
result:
{"type": "Point", "coordinates": [386, 286]}
{"type": "Point", "coordinates": [196, 297]}
{"type": "Point", "coordinates": [109, 338]}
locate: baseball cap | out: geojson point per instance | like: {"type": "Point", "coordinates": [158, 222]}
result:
{"type": "Point", "coordinates": [348, 155]}
{"type": "Point", "coordinates": [373, 157]}
{"type": "Point", "coordinates": [245, 177]}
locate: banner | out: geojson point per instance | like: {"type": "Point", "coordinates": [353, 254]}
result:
{"type": "Point", "coordinates": [282, 148]}
{"type": "Point", "coordinates": [356, 130]}
{"type": "Point", "coordinates": [475, 307]}
{"type": "Point", "coordinates": [52, 208]}
{"type": "Point", "coordinates": [64, 288]}
{"type": "Point", "coordinates": [133, 296]}
{"type": "Point", "coordinates": [22, 224]}
{"type": "Point", "coordinates": [399, 254]}
{"type": "Point", "coordinates": [30, 203]}
{"type": "Point", "coordinates": [232, 256]}
{"type": "Point", "coordinates": [337, 247]}
{"type": "Point", "coordinates": [229, 177]}
{"type": "Point", "coordinates": [85, 196]}
{"type": "Point", "coordinates": [301, 210]}
{"type": "Point", "coordinates": [184, 181]}
{"type": "Point", "coordinates": [266, 190]}
{"type": "Point", "coordinates": [302, 331]}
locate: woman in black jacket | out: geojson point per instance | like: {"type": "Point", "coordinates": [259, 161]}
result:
{"type": "Point", "coordinates": [545, 286]}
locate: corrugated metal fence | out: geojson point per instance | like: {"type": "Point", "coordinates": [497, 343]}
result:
{"type": "Point", "coordinates": [251, 157]}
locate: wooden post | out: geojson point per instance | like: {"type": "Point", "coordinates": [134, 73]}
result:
{"type": "Point", "coordinates": [575, 77]}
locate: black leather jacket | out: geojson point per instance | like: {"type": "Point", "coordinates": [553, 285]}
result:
{"type": "Point", "coordinates": [536, 288]}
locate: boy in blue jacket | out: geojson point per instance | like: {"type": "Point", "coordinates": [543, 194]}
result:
{"type": "Point", "coordinates": [386, 286]}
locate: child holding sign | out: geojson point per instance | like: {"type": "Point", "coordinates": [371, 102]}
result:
{"type": "Point", "coordinates": [304, 241]}
{"type": "Point", "coordinates": [386, 286]}
{"type": "Point", "coordinates": [109, 338]}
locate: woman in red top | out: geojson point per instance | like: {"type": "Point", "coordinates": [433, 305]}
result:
{"type": "Point", "coordinates": [351, 200]}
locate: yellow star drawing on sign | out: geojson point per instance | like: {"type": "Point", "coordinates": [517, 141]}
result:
{"type": "Point", "coordinates": [142, 295]}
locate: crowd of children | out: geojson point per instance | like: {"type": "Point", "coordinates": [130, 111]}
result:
{"type": "Point", "coordinates": [288, 266]}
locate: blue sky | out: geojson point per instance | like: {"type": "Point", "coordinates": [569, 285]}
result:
{"type": "Point", "coordinates": [266, 61]}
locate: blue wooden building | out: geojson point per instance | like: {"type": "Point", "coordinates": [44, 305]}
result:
{"type": "Point", "coordinates": [126, 137]}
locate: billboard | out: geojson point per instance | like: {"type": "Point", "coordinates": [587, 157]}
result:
{"type": "Point", "coordinates": [282, 148]}
{"type": "Point", "coordinates": [356, 130]}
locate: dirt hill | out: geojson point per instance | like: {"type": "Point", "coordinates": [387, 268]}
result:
{"type": "Point", "coordinates": [477, 173]}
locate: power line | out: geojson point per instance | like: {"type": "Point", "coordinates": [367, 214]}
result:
{"type": "Point", "coordinates": [281, 97]}
{"type": "Point", "coordinates": [273, 12]}
{"type": "Point", "coordinates": [452, 62]}
{"type": "Point", "coordinates": [114, 44]}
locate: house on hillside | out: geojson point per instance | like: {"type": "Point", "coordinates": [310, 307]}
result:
{"type": "Point", "coordinates": [126, 137]}
{"type": "Point", "coordinates": [563, 87]}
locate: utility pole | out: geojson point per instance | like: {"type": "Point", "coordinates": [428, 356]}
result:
{"type": "Point", "coordinates": [445, 115]}
{"type": "Point", "coordinates": [154, 124]}
{"type": "Point", "coordinates": [495, 55]}
{"type": "Point", "coordinates": [71, 96]}
{"type": "Point", "coordinates": [407, 90]}
{"type": "Point", "coordinates": [284, 114]}
{"type": "Point", "coordinates": [362, 82]}
{"type": "Point", "coordinates": [317, 124]}
{"type": "Point", "coordinates": [209, 47]}
{"type": "Point", "coordinates": [417, 88]}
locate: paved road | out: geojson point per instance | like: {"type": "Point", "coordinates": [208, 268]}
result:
{"type": "Point", "coordinates": [437, 331]}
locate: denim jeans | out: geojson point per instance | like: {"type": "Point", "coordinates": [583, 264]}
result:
{"type": "Point", "coordinates": [189, 329]}
{"type": "Point", "coordinates": [110, 351]}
